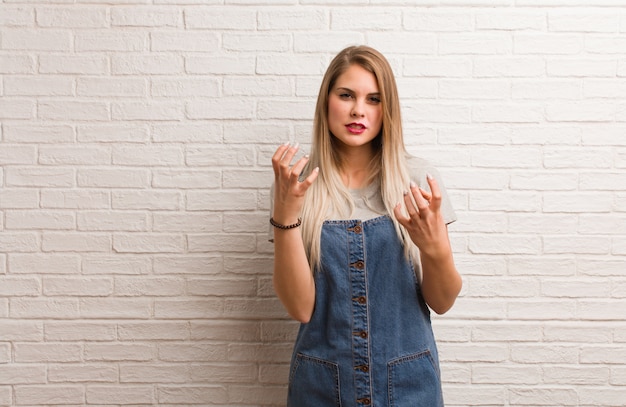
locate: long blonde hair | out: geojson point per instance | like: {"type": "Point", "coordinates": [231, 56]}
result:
{"type": "Point", "coordinates": [389, 164]}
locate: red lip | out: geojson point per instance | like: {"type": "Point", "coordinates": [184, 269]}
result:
{"type": "Point", "coordinates": [356, 128]}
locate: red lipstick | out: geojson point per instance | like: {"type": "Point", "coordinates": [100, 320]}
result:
{"type": "Point", "coordinates": [356, 128]}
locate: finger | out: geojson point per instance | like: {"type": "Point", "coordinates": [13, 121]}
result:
{"type": "Point", "coordinates": [411, 209]}
{"type": "Point", "coordinates": [420, 201]}
{"type": "Point", "coordinates": [296, 170]}
{"type": "Point", "coordinates": [403, 220]}
{"type": "Point", "coordinates": [435, 201]}
{"type": "Point", "coordinates": [308, 181]}
{"type": "Point", "coordinates": [289, 154]}
{"type": "Point", "coordinates": [278, 155]}
{"type": "Point", "coordinates": [427, 195]}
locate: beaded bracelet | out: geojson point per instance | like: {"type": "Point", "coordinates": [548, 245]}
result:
{"type": "Point", "coordinates": [279, 226]}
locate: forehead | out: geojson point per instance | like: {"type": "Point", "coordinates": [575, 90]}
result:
{"type": "Point", "coordinates": [357, 78]}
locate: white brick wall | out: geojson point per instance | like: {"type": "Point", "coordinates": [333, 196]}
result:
{"type": "Point", "coordinates": [134, 164]}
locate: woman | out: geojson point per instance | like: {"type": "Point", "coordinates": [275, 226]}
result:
{"type": "Point", "coordinates": [361, 248]}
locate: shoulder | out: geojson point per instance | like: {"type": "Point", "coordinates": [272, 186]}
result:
{"type": "Point", "coordinates": [419, 168]}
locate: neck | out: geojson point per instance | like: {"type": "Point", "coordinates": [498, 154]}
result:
{"type": "Point", "coordinates": [355, 168]}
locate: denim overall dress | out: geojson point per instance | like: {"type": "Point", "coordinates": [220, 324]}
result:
{"type": "Point", "coordinates": [369, 341]}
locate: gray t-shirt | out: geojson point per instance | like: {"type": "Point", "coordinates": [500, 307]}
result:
{"type": "Point", "coordinates": [369, 203]}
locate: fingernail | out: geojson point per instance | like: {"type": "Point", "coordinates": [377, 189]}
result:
{"type": "Point", "coordinates": [286, 144]}
{"type": "Point", "coordinates": [428, 176]}
{"type": "Point", "coordinates": [296, 145]}
{"type": "Point", "coordinates": [406, 192]}
{"type": "Point", "coordinates": [413, 184]}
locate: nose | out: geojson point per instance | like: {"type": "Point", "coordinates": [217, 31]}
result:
{"type": "Point", "coordinates": [357, 110]}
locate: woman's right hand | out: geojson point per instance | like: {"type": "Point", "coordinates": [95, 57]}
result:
{"type": "Point", "coordinates": [289, 191]}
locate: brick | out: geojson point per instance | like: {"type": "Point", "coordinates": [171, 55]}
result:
{"type": "Point", "coordinates": [220, 242]}
{"type": "Point", "coordinates": [220, 18]}
{"type": "Point", "coordinates": [544, 397]}
{"type": "Point", "coordinates": [210, 264]}
{"type": "Point", "coordinates": [38, 86]}
{"type": "Point", "coordinates": [21, 330]}
{"type": "Point", "coordinates": [118, 352]}
{"type": "Point", "coordinates": [225, 108]}
{"type": "Point", "coordinates": [19, 242]}
{"type": "Point", "coordinates": [179, 87]}
{"type": "Point", "coordinates": [111, 221]}
{"type": "Point", "coordinates": [161, 373]}
{"type": "Point", "coordinates": [75, 242]}
{"type": "Point", "coordinates": [49, 394]}
{"type": "Point", "coordinates": [37, 40]}
{"type": "Point", "coordinates": [553, 44]}
{"type": "Point", "coordinates": [91, 373]}
{"type": "Point", "coordinates": [596, 111]}
{"type": "Point", "coordinates": [43, 264]}
{"type": "Point", "coordinates": [208, 132]}
{"type": "Point", "coordinates": [75, 199]}
{"type": "Point", "coordinates": [19, 199]}
{"type": "Point", "coordinates": [19, 286]}
{"type": "Point", "coordinates": [16, 64]}
{"type": "Point", "coordinates": [73, 110]}
{"type": "Point", "coordinates": [228, 373]}
{"type": "Point", "coordinates": [125, 133]}
{"type": "Point", "coordinates": [146, 16]}
{"type": "Point", "coordinates": [190, 394]}
{"type": "Point", "coordinates": [507, 375]}
{"type": "Point", "coordinates": [577, 67]}
{"type": "Point", "coordinates": [79, 331]}
{"type": "Point", "coordinates": [478, 44]}
{"type": "Point", "coordinates": [151, 331]}
{"type": "Point", "coordinates": [546, 89]}
{"type": "Point", "coordinates": [110, 40]}
{"type": "Point", "coordinates": [149, 286]}
{"type": "Point", "coordinates": [185, 41]}
{"type": "Point", "coordinates": [42, 307]}
{"type": "Point", "coordinates": [226, 200]}
{"type": "Point", "coordinates": [77, 287]}
{"type": "Point", "coordinates": [70, 155]}
{"type": "Point", "coordinates": [474, 89]}
{"type": "Point", "coordinates": [111, 87]}
{"type": "Point", "coordinates": [117, 264]}
{"type": "Point", "coordinates": [172, 309]}
{"type": "Point", "coordinates": [73, 64]}
{"type": "Point", "coordinates": [18, 155]}
{"type": "Point", "coordinates": [186, 179]}
{"type": "Point", "coordinates": [49, 352]}
{"type": "Point", "coordinates": [513, 67]}
{"type": "Point", "coordinates": [577, 333]}
{"type": "Point", "coordinates": [120, 394]}
{"type": "Point", "coordinates": [228, 65]}
{"type": "Point", "coordinates": [553, 310]}
{"type": "Point", "coordinates": [147, 64]}
{"type": "Point", "coordinates": [148, 243]}
{"type": "Point", "coordinates": [216, 156]}
{"type": "Point", "coordinates": [186, 222]}
{"type": "Point", "coordinates": [147, 111]}
{"type": "Point", "coordinates": [17, 109]}
{"type": "Point", "coordinates": [113, 178]}
{"type": "Point", "coordinates": [12, 374]}
{"type": "Point", "coordinates": [120, 308]}
{"type": "Point", "coordinates": [256, 42]}
{"type": "Point", "coordinates": [154, 200]}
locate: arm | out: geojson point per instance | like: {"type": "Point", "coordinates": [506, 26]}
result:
{"type": "Point", "coordinates": [441, 282]}
{"type": "Point", "coordinates": [293, 281]}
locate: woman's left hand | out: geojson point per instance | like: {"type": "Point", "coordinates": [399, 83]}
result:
{"type": "Point", "coordinates": [424, 222]}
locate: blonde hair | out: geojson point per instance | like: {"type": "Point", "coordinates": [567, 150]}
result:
{"type": "Point", "coordinates": [328, 194]}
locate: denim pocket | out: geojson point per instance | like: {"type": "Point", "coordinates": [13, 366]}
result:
{"type": "Point", "coordinates": [313, 382]}
{"type": "Point", "coordinates": [414, 381]}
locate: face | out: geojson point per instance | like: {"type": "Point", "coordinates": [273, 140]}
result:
{"type": "Point", "coordinates": [354, 108]}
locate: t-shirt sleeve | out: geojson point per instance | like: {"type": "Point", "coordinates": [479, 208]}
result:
{"type": "Point", "coordinates": [418, 171]}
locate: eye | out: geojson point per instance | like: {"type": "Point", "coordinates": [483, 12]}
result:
{"type": "Point", "coordinates": [375, 99]}
{"type": "Point", "coordinates": [345, 95]}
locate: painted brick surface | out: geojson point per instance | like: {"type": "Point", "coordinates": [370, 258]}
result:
{"type": "Point", "coordinates": [135, 145]}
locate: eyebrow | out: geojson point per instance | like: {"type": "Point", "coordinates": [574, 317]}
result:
{"type": "Point", "coordinates": [342, 88]}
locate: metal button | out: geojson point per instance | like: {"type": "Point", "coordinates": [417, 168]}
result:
{"type": "Point", "coordinates": [358, 229]}
{"type": "Point", "coordinates": [363, 368]}
{"type": "Point", "coordinates": [359, 265]}
{"type": "Point", "coordinates": [360, 300]}
{"type": "Point", "coordinates": [366, 401]}
{"type": "Point", "coordinates": [362, 334]}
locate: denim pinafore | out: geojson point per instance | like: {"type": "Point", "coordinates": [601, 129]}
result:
{"type": "Point", "coordinates": [369, 341]}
